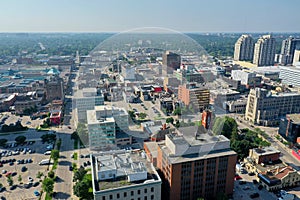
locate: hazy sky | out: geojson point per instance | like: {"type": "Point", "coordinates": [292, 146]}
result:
{"type": "Point", "coordinates": [122, 15]}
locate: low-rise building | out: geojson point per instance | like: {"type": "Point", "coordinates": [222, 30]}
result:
{"type": "Point", "coordinates": [237, 106]}
{"type": "Point", "coordinates": [279, 178]}
{"type": "Point", "coordinates": [289, 127]}
{"type": "Point", "coordinates": [124, 175]}
{"type": "Point", "coordinates": [220, 96]}
{"type": "Point", "coordinates": [247, 78]}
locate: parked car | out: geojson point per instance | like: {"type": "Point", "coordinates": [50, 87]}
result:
{"type": "Point", "coordinates": [13, 187]}
{"type": "Point", "coordinates": [23, 169]}
{"type": "Point", "coordinates": [254, 195]}
{"type": "Point", "coordinates": [242, 182]}
{"type": "Point", "coordinates": [35, 184]}
{"type": "Point", "coordinates": [36, 193]}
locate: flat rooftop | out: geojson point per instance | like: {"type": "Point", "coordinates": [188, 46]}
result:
{"type": "Point", "coordinates": [266, 151]}
{"type": "Point", "coordinates": [191, 146]}
{"type": "Point", "coordinates": [294, 117]}
{"type": "Point", "coordinates": [124, 164]}
{"type": "Point", "coordinates": [85, 92]}
{"type": "Point", "coordinates": [224, 91]}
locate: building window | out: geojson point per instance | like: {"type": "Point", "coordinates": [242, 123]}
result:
{"type": "Point", "coordinates": [118, 196]}
{"type": "Point", "coordinates": [139, 191]}
{"type": "Point", "coordinates": [103, 198]}
{"type": "Point", "coordinates": [111, 196]}
{"type": "Point", "coordinates": [145, 198]}
{"type": "Point", "coordinates": [125, 194]}
{"type": "Point", "coordinates": [152, 189]}
{"type": "Point", "coordinates": [152, 197]}
{"type": "Point", "coordinates": [132, 193]}
{"type": "Point", "coordinates": [145, 191]}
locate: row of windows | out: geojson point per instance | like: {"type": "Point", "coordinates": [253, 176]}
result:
{"type": "Point", "coordinates": [132, 193]}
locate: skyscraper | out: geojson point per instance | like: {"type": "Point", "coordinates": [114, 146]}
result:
{"type": "Point", "coordinates": [288, 48]}
{"type": "Point", "coordinates": [243, 49]}
{"type": "Point", "coordinates": [264, 51]}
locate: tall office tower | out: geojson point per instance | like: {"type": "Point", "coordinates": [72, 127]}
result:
{"type": "Point", "coordinates": [288, 48]}
{"type": "Point", "coordinates": [243, 49]}
{"type": "Point", "coordinates": [171, 62]}
{"type": "Point", "coordinates": [264, 51]}
{"type": "Point", "coordinates": [194, 166]}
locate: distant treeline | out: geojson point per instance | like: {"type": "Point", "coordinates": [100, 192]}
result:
{"type": "Point", "coordinates": [14, 44]}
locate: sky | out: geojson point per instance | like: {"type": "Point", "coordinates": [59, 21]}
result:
{"type": "Point", "coordinates": [124, 15]}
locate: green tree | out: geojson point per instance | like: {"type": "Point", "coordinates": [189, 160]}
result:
{"type": "Point", "coordinates": [20, 178]}
{"type": "Point", "coordinates": [142, 115]}
{"type": "Point", "coordinates": [39, 175]}
{"type": "Point", "coordinates": [55, 154]}
{"type": "Point", "coordinates": [170, 120]}
{"type": "Point", "coordinates": [10, 181]}
{"type": "Point", "coordinates": [48, 185]}
{"type": "Point", "coordinates": [131, 114]}
{"type": "Point", "coordinates": [225, 126]}
{"type": "Point", "coordinates": [51, 174]}
{"type": "Point", "coordinates": [20, 139]}
{"type": "Point", "coordinates": [81, 190]}
{"type": "Point", "coordinates": [74, 136]}
{"type": "Point", "coordinates": [3, 142]}
{"type": "Point", "coordinates": [177, 111]}
{"type": "Point", "coordinates": [79, 174]}
{"type": "Point", "coordinates": [48, 138]}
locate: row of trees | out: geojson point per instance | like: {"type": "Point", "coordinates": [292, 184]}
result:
{"type": "Point", "coordinates": [240, 141]}
{"type": "Point", "coordinates": [48, 182]}
{"type": "Point", "coordinates": [19, 140]}
{"type": "Point", "coordinates": [83, 186]}
{"type": "Point", "coordinates": [13, 127]}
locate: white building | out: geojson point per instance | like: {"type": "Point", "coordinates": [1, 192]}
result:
{"type": "Point", "coordinates": [83, 100]}
{"type": "Point", "coordinates": [247, 78]}
{"type": "Point", "coordinates": [128, 73]}
{"type": "Point", "coordinates": [243, 49]}
{"type": "Point", "coordinates": [290, 75]}
{"type": "Point", "coordinates": [296, 59]}
{"type": "Point", "coordinates": [104, 123]}
{"type": "Point", "coordinates": [126, 175]}
{"type": "Point", "coordinates": [264, 51]}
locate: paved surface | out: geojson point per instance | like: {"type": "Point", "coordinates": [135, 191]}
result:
{"type": "Point", "coordinates": [32, 169]}
{"type": "Point", "coordinates": [63, 187]}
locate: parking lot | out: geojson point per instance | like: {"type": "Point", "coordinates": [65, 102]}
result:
{"type": "Point", "coordinates": [245, 187]}
{"type": "Point", "coordinates": [22, 161]}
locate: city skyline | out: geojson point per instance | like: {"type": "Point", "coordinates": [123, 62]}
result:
{"type": "Point", "coordinates": [118, 16]}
